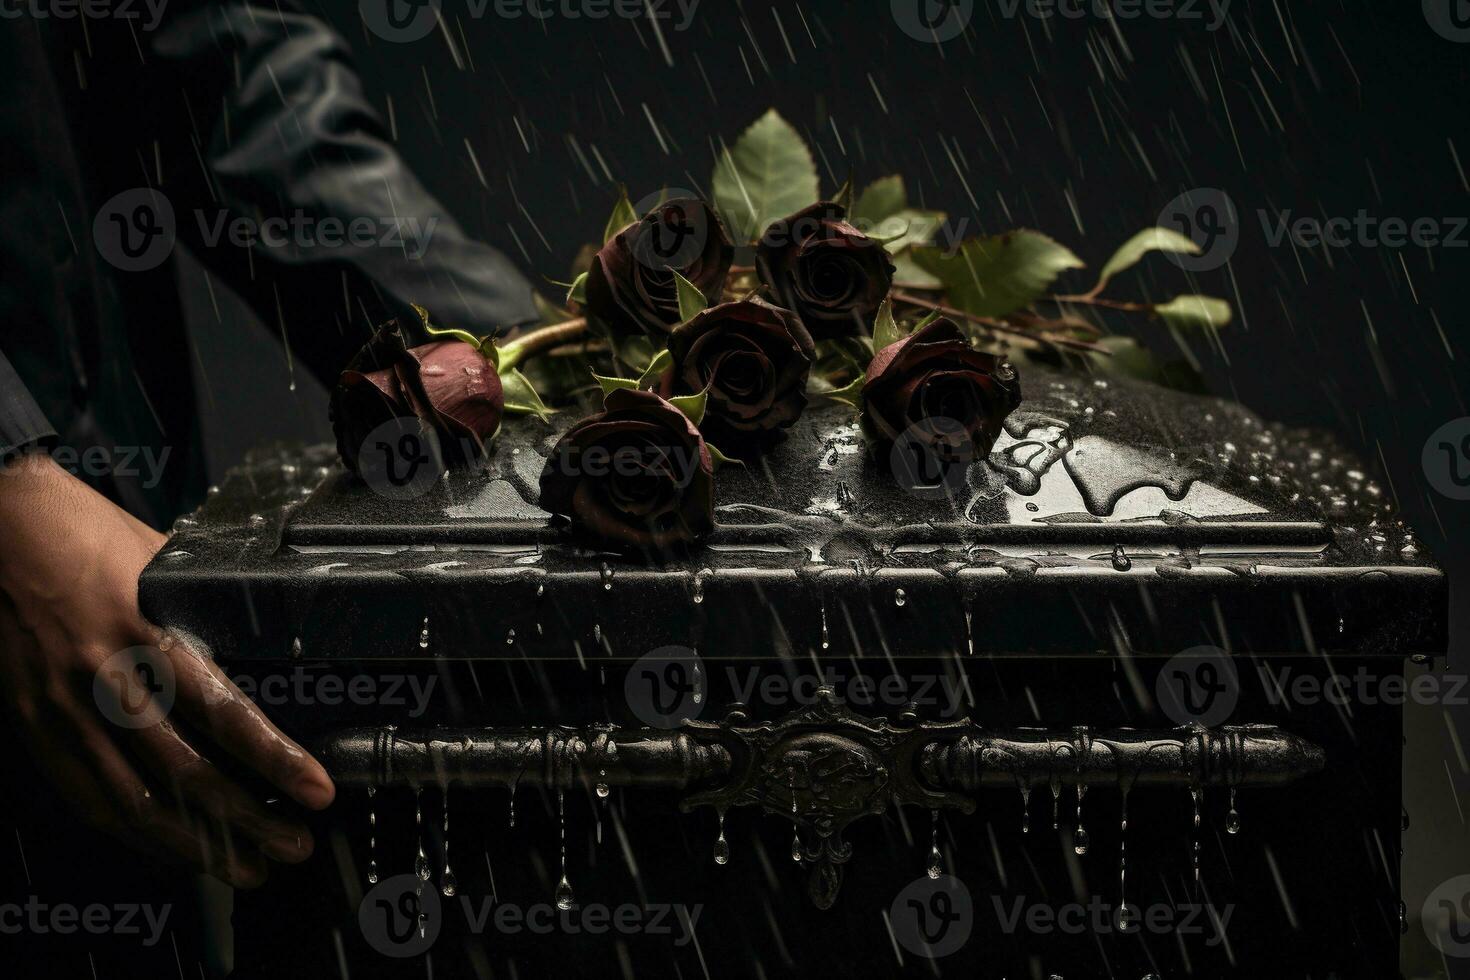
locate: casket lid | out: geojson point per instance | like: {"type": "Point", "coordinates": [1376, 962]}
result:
{"type": "Point", "coordinates": [1112, 517]}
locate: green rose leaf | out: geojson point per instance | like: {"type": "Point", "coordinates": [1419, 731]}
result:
{"type": "Point", "coordinates": [691, 300]}
{"type": "Point", "coordinates": [577, 291]}
{"type": "Point", "coordinates": [881, 199]}
{"type": "Point", "coordinates": [1133, 251]}
{"type": "Point", "coordinates": [849, 394]}
{"type": "Point", "coordinates": [1190, 312]}
{"type": "Point", "coordinates": [610, 385]}
{"type": "Point", "coordinates": [768, 174]}
{"type": "Point", "coordinates": [521, 397]}
{"type": "Point", "coordinates": [906, 273]}
{"type": "Point", "coordinates": [904, 228]}
{"type": "Point", "coordinates": [692, 405]}
{"type": "Point", "coordinates": [886, 330]}
{"type": "Point", "coordinates": [720, 458]}
{"type": "Point", "coordinates": [622, 216]}
{"type": "Point", "coordinates": [660, 363]}
{"type": "Point", "coordinates": [998, 274]}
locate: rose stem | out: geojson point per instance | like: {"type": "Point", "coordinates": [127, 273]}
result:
{"type": "Point", "coordinates": [993, 324]}
{"type": "Point", "coordinates": [1111, 304]}
{"type": "Point", "coordinates": [554, 335]}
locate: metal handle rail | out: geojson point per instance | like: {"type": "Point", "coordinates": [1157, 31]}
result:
{"type": "Point", "coordinates": [821, 767]}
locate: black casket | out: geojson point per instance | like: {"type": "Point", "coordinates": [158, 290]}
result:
{"type": "Point", "coordinates": [855, 732]}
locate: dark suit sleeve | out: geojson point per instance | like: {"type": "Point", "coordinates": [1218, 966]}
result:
{"type": "Point", "coordinates": [283, 130]}
{"type": "Point", "coordinates": [22, 423]}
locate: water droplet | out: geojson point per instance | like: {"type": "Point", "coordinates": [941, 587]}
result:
{"type": "Point", "coordinates": [1025, 809]}
{"type": "Point", "coordinates": [697, 696]}
{"type": "Point", "coordinates": [421, 862]}
{"type": "Point", "coordinates": [970, 635]}
{"type": "Point", "coordinates": [424, 635]}
{"type": "Point", "coordinates": [825, 643]}
{"type": "Point", "coordinates": [936, 860]}
{"type": "Point", "coordinates": [602, 790]}
{"type": "Point", "coordinates": [699, 584]}
{"type": "Point", "coordinates": [1232, 819]}
{"type": "Point", "coordinates": [1121, 561]}
{"type": "Point", "coordinates": [796, 845]}
{"type": "Point", "coordinates": [563, 887]}
{"type": "Point", "coordinates": [1080, 839]}
{"type": "Point", "coordinates": [372, 874]}
{"type": "Point", "coordinates": [296, 648]}
{"type": "Point", "coordinates": [607, 577]}
{"type": "Point", "coordinates": [510, 636]}
{"type": "Point", "coordinates": [899, 597]}
{"type": "Point", "coordinates": [447, 882]}
{"type": "Point", "coordinates": [722, 846]}
{"type": "Point", "coordinates": [564, 900]}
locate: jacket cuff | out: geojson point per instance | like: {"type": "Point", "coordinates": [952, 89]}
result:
{"type": "Point", "coordinates": [22, 423]}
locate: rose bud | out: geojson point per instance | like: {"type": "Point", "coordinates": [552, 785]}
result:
{"type": "Point", "coordinates": [447, 387]}
{"type": "Point", "coordinates": [630, 285]}
{"type": "Point", "coordinates": [754, 358]}
{"type": "Point", "coordinates": [636, 477]}
{"type": "Point", "coordinates": [936, 391]}
{"type": "Point", "coordinates": [832, 275]}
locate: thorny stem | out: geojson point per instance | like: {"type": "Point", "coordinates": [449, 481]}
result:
{"type": "Point", "coordinates": [1111, 304]}
{"type": "Point", "coordinates": [994, 324]}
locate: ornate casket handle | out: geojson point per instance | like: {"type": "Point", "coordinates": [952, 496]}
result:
{"type": "Point", "coordinates": [821, 767]}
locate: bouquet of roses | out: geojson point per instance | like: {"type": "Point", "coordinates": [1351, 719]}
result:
{"type": "Point", "coordinates": [696, 361]}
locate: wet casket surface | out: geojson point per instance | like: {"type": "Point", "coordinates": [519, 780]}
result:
{"type": "Point", "coordinates": [749, 745]}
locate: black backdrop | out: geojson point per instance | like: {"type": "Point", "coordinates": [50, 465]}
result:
{"type": "Point", "coordinates": [1083, 128]}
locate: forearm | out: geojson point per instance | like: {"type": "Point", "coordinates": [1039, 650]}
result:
{"type": "Point", "coordinates": [293, 138]}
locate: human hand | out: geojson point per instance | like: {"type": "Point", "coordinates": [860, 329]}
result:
{"type": "Point", "coordinates": [69, 569]}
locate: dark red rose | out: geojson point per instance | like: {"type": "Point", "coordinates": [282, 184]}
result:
{"type": "Point", "coordinates": [636, 477]}
{"type": "Point", "coordinates": [832, 275]}
{"type": "Point", "coordinates": [754, 358]}
{"type": "Point", "coordinates": [937, 391]}
{"type": "Point", "coordinates": [447, 387]}
{"type": "Point", "coordinates": [630, 288]}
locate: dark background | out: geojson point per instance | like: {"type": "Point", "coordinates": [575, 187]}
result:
{"type": "Point", "coordinates": [1082, 128]}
